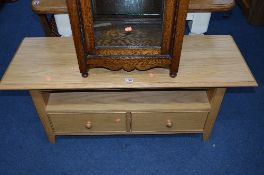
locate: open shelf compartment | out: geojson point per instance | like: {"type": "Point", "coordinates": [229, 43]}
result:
{"type": "Point", "coordinates": [132, 101]}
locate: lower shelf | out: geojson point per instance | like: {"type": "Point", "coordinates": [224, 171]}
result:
{"type": "Point", "coordinates": [128, 101]}
{"type": "Point", "coordinates": [127, 112]}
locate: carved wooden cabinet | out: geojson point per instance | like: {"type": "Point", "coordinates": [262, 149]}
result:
{"type": "Point", "coordinates": [253, 10]}
{"type": "Point", "coordinates": [128, 34]}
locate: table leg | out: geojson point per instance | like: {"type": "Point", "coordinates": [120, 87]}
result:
{"type": "Point", "coordinates": [45, 24]}
{"type": "Point", "coordinates": [215, 96]}
{"type": "Point", "coordinates": [40, 100]}
{"type": "Point", "coordinates": [49, 25]}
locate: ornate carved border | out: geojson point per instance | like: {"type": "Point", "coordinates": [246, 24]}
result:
{"type": "Point", "coordinates": [128, 64]}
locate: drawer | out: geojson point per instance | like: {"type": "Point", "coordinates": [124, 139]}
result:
{"type": "Point", "coordinates": [88, 123]}
{"type": "Point", "coordinates": [167, 122]}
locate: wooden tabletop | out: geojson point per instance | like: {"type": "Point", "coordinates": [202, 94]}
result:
{"type": "Point", "coordinates": [51, 63]}
{"type": "Point", "coordinates": [59, 6]}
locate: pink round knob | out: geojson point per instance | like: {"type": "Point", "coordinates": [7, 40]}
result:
{"type": "Point", "coordinates": [128, 29]}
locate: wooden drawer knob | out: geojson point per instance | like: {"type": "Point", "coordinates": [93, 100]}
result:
{"type": "Point", "coordinates": [169, 124]}
{"type": "Point", "coordinates": [88, 125]}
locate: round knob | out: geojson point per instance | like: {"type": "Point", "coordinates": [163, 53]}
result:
{"type": "Point", "coordinates": [36, 2]}
{"type": "Point", "coordinates": [88, 125]}
{"type": "Point", "coordinates": [169, 124]}
{"type": "Point", "coordinates": [128, 29]}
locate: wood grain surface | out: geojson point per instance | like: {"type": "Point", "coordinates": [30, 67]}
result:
{"type": "Point", "coordinates": [120, 111]}
{"type": "Point", "coordinates": [100, 122]}
{"type": "Point", "coordinates": [216, 96]}
{"type": "Point", "coordinates": [50, 63]}
{"type": "Point", "coordinates": [143, 35]}
{"type": "Point", "coordinates": [40, 100]}
{"type": "Point", "coordinates": [72, 123]}
{"type": "Point", "coordinates": [59, 6]}
{"type": "Point", "coordinates": [129, 63]}
{"type": "Point", "coordinates": [80, 46]}
{"type": "Point", "coordinates": [158, 122]}
{"type": "Point", "coordinates": [132, 101]}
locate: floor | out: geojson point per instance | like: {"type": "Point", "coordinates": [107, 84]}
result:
{"type": "Point", "coordinates": [235, 147]}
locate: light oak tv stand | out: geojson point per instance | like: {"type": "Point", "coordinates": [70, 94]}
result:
{"type": "Point", "coordinates": [119, 102]}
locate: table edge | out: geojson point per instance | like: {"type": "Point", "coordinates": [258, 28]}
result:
{"type": "Point", "coordinates": [192, 8]}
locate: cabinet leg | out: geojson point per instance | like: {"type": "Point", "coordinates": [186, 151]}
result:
{"type": "Point", "coordinates": [45, 24]}
{"type": "Point", "coordinates": [85, 75]}
{"type": "Point", "coordinates": [40, 100]}
{"type": "Point", "coordinates": [52, 138]}
{"type": "Point", "coordinates": [173, 74]}
{"type": "Point", "coordinates": [215, 96]}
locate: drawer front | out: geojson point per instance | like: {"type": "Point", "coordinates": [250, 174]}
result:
{"type": "Point", "coordinates": [87, 123]}
{"type": "Point", "coordinates": [167, 122]}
